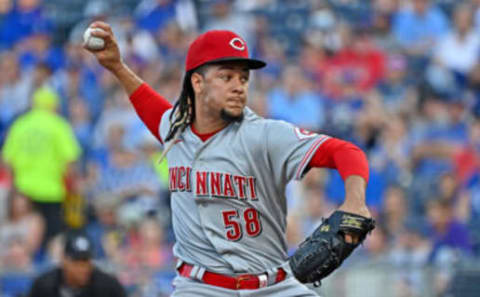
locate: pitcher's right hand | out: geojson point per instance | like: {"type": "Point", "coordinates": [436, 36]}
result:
{"type": "Point", "coordinates": [109, 57]}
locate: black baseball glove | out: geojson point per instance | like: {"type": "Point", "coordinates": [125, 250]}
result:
{"type": "Point", "coordinates": [324, 251]}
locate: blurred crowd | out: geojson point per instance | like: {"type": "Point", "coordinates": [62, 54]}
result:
{"type": "Point", "coordinates": [401, 79]}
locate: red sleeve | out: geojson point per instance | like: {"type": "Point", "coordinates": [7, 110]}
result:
{"type": "Point", "coordinates": [344, 156]}
{"type": "Point", "coordinates": [150, 107]}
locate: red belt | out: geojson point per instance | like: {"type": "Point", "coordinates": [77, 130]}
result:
{"type": "Point", "coordinates": [241, 282]}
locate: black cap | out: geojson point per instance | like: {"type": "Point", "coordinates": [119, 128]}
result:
{"type": "Point", "coordinates": [78, 246]}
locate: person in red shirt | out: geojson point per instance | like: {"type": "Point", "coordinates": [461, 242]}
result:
{"type": "Point", "coordinates": [359, 65]}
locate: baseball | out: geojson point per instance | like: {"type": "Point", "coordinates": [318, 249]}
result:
{"type": "Point", "coordinates": [93, 42]}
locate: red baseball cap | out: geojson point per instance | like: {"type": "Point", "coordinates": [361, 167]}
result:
{"type": "Point", "coordinates": [217, 46]}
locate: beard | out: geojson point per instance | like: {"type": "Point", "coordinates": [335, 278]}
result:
{"type": "Point", "coordinates": [230, 118]}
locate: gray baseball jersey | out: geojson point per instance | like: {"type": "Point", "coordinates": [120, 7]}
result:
{"type": "Point", "coordinates": [227, 193]}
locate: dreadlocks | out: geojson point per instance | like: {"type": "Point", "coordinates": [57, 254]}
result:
{"type": "Point", "coordinates": [183, 112]}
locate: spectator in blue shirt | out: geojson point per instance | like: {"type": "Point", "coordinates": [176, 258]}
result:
{"type": "Point", "coordinates": [293, 101]}
{"type": "Point", "coordinates": [417, 28]}
{"type": "Point", "coordinates": [21, 21]}
{"type": "Point", "coordinates": [154, 15]}
{"type": "Point", "coordinates": [446, 232]}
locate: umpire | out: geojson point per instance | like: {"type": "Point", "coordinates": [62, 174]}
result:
{"type": "Point", "coordinates": [77, 276]}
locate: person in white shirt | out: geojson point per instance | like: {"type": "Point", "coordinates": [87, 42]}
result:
{"type": "Point", "coordinates": [459, 50]}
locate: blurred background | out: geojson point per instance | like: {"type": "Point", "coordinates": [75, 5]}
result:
{"type": "Point", "coordinates": [401, 79]}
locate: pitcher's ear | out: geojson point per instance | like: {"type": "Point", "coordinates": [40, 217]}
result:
{"type": "Point", "coordinates": [198, 82]}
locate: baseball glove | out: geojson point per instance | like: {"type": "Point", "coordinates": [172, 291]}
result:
{"type": "Point", "coordinates": [324, 251]}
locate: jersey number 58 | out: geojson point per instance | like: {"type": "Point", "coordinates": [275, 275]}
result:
{"type": "Point", "coordinates": [231, 220]}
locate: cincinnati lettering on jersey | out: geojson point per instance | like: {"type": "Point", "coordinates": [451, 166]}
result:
{"type": "Point", "coordinates": [213, 184]}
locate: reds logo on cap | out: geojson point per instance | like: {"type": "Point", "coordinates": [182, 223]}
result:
{"type": "Point", "coordinates": [217, 46]}
{"type": "Point", "coordinates": [237, 44]}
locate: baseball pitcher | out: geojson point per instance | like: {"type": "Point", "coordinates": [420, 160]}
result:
{"type": "Point", "coordinates": [228, 171]}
